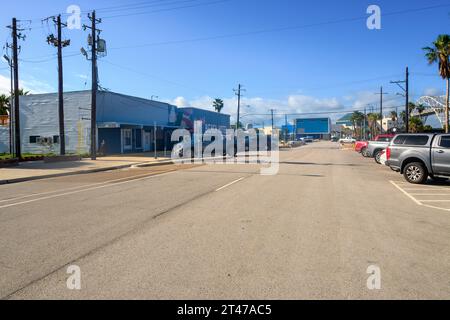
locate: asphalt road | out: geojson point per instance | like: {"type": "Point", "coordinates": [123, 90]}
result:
{"type": "Point", "coordinates": [226, 232]}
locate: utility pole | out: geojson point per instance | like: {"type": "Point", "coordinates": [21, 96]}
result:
{"type": "Point", "coordinates": [286, 129]}
{"type": "Point", "coordinates": [238, 92]}
{"type": "Point", "coordinates": [381, 106]}
{"type": "Point", "coordinates": [365, 119]}
{"type": "Point", "coordinates": [59, 43]}
{"type": "Point", "coordinates": [15, 49]}
{"type": "Point", "coordinates": [272, 111]}
{"type": "Point", "coordinates": [406, 91]}
{"type": "Point", "coordinates": [11, 102]}
{"type": "Point", "coordinates": [407, 100]}
{"type": "Point", "coordinates": [94, 41]}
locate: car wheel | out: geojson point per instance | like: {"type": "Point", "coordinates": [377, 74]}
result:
{"type": "Point", "coordinates": [364, 152]}
{"type": "Point", "coordinates": [415, 173]}
{"type": "Point", "coordinates": [377, 156]}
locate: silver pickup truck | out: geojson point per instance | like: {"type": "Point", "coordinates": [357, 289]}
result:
{"type": "Point", "coordinates": [375, 148]}
{"type": "Point", "coordinates": [419, 156]}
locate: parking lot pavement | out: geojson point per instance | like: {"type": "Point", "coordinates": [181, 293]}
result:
{"type": "Point", "coordinates": [225, 231]}
{"type": "Point", "coordinates": [432, 196]}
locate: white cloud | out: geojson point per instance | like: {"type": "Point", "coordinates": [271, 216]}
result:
{"type": "Point", "coordinates": [5, 85]}
{"type": "Point", "coordinates": [433, 92]}
{"type": "Point", "coordinates": [29, 84]}
{"type": "Point", "coordinates": [180, 102]}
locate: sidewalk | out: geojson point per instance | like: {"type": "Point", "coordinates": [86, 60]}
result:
{"type": "Point", "coordinates": [40, 170]}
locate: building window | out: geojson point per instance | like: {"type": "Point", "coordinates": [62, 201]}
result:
{"type": "Point", "coordinates": [55, 139]}
{"type": "Point", "coordinates": [127, 139]}
{"type": "Point", "coordinates": [33, 139]}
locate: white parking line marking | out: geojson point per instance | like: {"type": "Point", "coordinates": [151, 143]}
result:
{"type": "Point", "coordinates": [407, 194]}
{"type": "Point", "coordinates": [421, 202]}
{"type": "Point", "coordinates": [230, 184]}
{"type": "Point", "coordinates": [430, 194]}
{"type": "Point", "coordinates": [83, 190]}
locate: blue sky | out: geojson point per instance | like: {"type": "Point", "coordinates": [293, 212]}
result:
{"type": "Point", "coordinates": [311, 56]}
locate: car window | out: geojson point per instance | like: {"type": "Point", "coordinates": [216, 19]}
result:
{"type": "Point", "coordinates": [445, 142]}
{"type": "Point", "coordinates": [416, 140]}
{"type": "Point", "coordinates": [400, 140]}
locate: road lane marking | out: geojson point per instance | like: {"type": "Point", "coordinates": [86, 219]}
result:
{"type": "Point", "coordinates": [86, 189]}
{"type": "Point", "coordinates": [421, 202]}
{"type": "Point", "coordinates": [230, 184]}
{"type": "Point", "coordinates": [78, 187]}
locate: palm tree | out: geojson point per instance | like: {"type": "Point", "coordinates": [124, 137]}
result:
{"type": "Point", "coordinates": [218, 105]}
{"type": "Point", "coordinates": [403, 116]}
{"type": "Point", "coordinates": [373, 123]}
{"type": "Point", "coordinates": [415, 125]}
{"type": "Point", "coordinates": [4, 105]}
{"type": "Point", "coordinates": [411, 107]}
{"type": "Point", "coordinates": [394, 116]}
{"type": "Point", "coordinates": [440, 52]}
{"type": "Point", "coordinates": [420, 108]}
{"type": "Point", "coordinates": [357, 119]}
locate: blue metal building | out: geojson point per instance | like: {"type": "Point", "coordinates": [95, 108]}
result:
{"type": "Point", "coordinates": [125, 124]}
{"type": "Point", "coordinates": [317, 128]}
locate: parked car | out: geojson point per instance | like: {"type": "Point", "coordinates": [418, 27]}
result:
{"type": "Point", "coordinates": [361, 146]}
{"type": "Point", "coordinates": [374, 148]}
{"type": "Point", "coordinates": [347, 140]}
{"type": "Point", "coordinates": [383, 157]}
{"type": "Point", "coordinates": [419, 156]}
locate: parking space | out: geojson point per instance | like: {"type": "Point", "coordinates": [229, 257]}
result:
{"type": "Point", "coordinates": [432, 196]}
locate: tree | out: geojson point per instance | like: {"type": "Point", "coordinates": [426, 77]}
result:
{"type": "Point", "coordinates": [4, 105]}
{"type": "Point", "coordinates": [403, 116]}
{"type": "Point", "coordinates": [416, 125]}
{"type": "Point", "coordinates": [394, 116]}
{"type": "Point", "coordinates": [420, 108]}
{"type": "Point", "coordinates": [218, 105]}
{"type": "Point", "coordinates": [357, 119]}
{"type": "Point", "coordinates": [411, 107]}
{"type": "Point", "coordinates": [440, 53]}
{"type": "Point", "coordinates": [373, 119]}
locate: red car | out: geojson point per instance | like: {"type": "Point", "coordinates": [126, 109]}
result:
{"type": "Point", "coordinates": [361, 146]}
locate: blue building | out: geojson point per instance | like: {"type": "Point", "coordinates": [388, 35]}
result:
{"type": "Point", "coordinates": [209, 119]}
{"type": "Point", "coordinates": [125, 124]}
{"type": "Point", "coordinates": [317, 128]}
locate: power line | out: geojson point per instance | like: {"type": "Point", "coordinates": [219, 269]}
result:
{"type": "Point", "coordinates": [155, 77]}
{"type": "Point", "coordinates": [279, 29]}
{"type": "Point", "coordinates": [166, 9]}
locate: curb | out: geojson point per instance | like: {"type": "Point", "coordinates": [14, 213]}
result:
{"type": "Point", "coordinates": [64, 174]}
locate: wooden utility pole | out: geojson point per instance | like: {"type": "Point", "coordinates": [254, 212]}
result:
{"type": "Point", "coordinates": [407, 99]}
{"type": "Point", "coordinates": [94, 89]}
{"type": "Point", "coordinates": [406, 90]}
{"type": "Point", "coordinates": [238, 92]}
{"type": "Point", "coordinates": [381, 106]}
{"type": "Point", "coordinates": [59, 43]}
{"type": "Point", "coordinates": [15, 50]}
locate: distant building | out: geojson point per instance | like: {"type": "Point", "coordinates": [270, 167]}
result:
{"type": "Point", "coordinates": [346, 121]}
{"type": "Point", "coordinates": [209, 119]}
{"type": "Point", "coordinates": [317, 128]}
{"type": "Point", "coordinates": [125, 124]}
